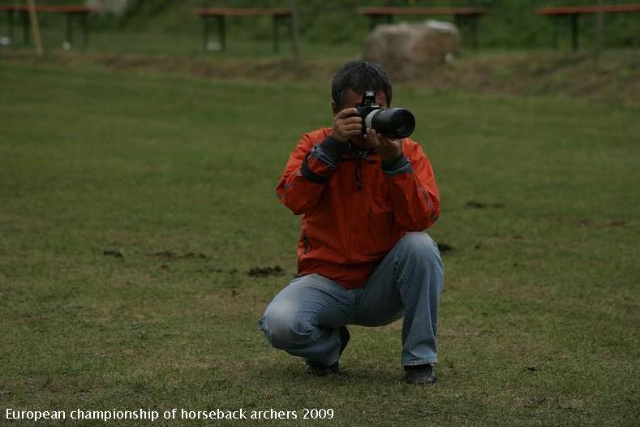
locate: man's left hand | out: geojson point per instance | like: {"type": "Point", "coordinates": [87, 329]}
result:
{"type": "Point", "coordinates": [389, 149]}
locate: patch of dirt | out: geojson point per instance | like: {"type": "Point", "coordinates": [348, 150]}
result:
{"type": "Point", "coordinates": [472, 204]}
{"type": "Point", "coordinates": [602, 224]}
{"type": "Point", "coordinates": [444, 248]}
{"type": "Point", "coordinates": [266, 271]}
{"type": "Point", "coordinates": [218, 270]}
{"type": "Point", "coordinates": [116, 253]}
{"type": "Point", "coordinates": [614, 77]}
{"type": "Point", "coordinates": [170, 255]}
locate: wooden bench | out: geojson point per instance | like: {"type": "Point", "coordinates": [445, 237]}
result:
{"type": "Point", "coordinates": [221, 13]}
{"type": "Point", "coordinates": [574, 12]}
{"type": "Point", "coordinates": [70, 12]}
{"type": "Point", "coordinates": [462, 15]}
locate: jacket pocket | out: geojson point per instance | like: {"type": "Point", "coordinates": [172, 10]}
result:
{"type": "Point", "coordinates": [305, 241]}
{"type": "Point", "coordinates": [379, 226]}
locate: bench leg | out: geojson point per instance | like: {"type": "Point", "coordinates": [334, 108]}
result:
{"type": "Point", "coordinates": [222, 33]}
{"type": "Point", "coordinates": [276, 33]}
{"type": "Point", "coordinates": [473, 23]}
{"type": "Point", "coordinates": [292, 35]}
{"type": "Point", "coordinates": [10, 26]}
{"type": "Point", "coordinates": [373, 20]}
{"type": "Point", "coordinates": [470, 22]}
{"type": "Point", "coordinates": [574, 32]}
{"type": "Point", "coordinates": [69, 19]}
{"type": "Point", "coordinates": [205, 32]}
{"type": "Point", "coordinates": [555, 23]}
{"type": "Point", "coordinates": [85, 29]}
{"type": "Point", "coordinates": [25, 27]}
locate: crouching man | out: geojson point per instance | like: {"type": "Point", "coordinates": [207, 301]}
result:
{"type": "Point", "coordinates": [363, 255]}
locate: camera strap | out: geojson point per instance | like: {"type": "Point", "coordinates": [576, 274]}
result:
{"type": "Point", "coordinates": [359, 151]}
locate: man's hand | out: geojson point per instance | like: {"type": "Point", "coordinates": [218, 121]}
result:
{"type": "Point", "coordinates": [346, 125]}
{"type": "Point", "coordinates": [389, 149]}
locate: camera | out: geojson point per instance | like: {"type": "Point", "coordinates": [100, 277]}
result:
{"type": "Point", "coordinates": [393, 123]}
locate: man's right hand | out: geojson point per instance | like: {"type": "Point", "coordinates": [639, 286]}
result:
{"type": "Point", "coordinates": [346, 124]}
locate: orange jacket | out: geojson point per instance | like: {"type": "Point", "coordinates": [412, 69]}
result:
{"type": "Point", "coordinates": [354, 208]}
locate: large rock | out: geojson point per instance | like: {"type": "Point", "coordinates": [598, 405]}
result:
{"type": "Point", "coordinates": [407, 50]}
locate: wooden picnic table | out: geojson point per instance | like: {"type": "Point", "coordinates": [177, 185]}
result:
{"type": "Point", "coordinates": [574, 12]}
{"type": "Point", "coordinates": [71, 12]}
{"type": "Point", "coordinates": [221, 13]}
{"type": "Point", "coordinates": [462, 15]}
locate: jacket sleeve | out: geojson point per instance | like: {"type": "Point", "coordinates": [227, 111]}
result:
{"type": "Point", "coordinates": [309, 167]}
{"type": "Point", "coordinates": [413, 190]}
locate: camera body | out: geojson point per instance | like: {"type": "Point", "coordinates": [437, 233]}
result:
{"type": "Point", "coordinates": [394, 123]}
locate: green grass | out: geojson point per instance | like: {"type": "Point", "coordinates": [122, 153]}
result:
{"type": "Point", "coordinates": [540, 313]}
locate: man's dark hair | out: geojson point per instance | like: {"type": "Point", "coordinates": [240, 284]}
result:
{"type": "Point", "coordinates": [360, 76]}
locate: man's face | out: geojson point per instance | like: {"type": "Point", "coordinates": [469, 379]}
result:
{"type": "Point", "coordinates": [351, 100]}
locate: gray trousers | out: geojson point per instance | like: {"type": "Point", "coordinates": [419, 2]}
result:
{"type": "Point", "coordinates": [304, 318]}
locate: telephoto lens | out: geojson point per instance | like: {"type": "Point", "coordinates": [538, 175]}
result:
{"type": "Point", "coordinates": [393, 123]}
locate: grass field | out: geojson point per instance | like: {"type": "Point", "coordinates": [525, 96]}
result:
{"type": "Point", "coordinates": [140, 240]}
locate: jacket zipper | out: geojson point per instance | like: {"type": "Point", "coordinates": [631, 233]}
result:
{"type": "Point", "coordinates": [357, 175]}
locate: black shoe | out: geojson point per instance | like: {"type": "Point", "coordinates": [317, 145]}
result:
{"type": "Point", "coordinates": [420, 374]}
{"type": "Point", "coordinates": [320, 370]}
{"type": "Point", "coordinates": [345, 336]}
